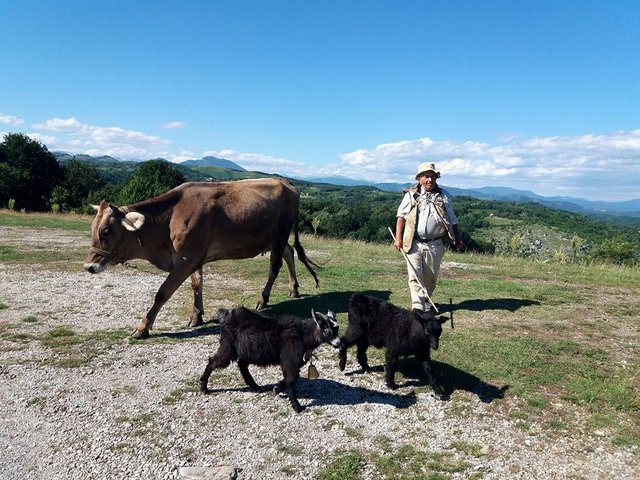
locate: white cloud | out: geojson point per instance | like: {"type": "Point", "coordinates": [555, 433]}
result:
{"type": "Point", "coordinates": [78, 137]}
{"type": "Point", "coordinates": [560, 165]}
{"type": "Point", "coordinates": [173, 125]}
{"type": "Point", "coordinates": [261, 162]}
{"type": "Point", "coordinates": [10, 120]}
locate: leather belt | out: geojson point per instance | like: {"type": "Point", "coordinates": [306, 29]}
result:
{"type": "Point", "coordinates": [427, 240]}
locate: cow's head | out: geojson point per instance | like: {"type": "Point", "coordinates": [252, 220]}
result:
{"type": "Point", "coordinates": [432, 326]}
{"type": "Point", "coordinates": [114, 235]}
{"type": "Point", "coordinates": [328, 325]}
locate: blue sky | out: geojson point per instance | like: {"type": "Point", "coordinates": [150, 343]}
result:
{"type": "Point", "coordinates": [542, 96]}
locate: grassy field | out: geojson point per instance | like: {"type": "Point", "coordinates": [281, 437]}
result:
{"type": "Point", "coordinates": [561, 341]}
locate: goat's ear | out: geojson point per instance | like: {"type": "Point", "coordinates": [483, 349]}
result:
{"type": "Point", "coordinates": [442, 319]}
{"type": "Point", "coordinates": [333, 320]}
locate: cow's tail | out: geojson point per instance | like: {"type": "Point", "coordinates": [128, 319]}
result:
{"type": "Point", "coordinates": [302, 255]}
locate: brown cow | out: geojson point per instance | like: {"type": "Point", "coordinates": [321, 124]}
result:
{"type": "Point", "coordinates": [196, 223]}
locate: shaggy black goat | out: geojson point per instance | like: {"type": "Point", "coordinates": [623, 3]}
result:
{"type": "Point", "coordinates": [253, 339]}
{"type": "Point", "coordinates": [402, 332]}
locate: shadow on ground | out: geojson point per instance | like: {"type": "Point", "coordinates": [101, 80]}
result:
{"type": "Point", "coordinates": [338, 302]}
{"type": "Point", "coordinates": [451, 378]}
{"type": "Point", "coordinates": [477, 305]}
{"type": "Point", "coordinates": [330, 392]}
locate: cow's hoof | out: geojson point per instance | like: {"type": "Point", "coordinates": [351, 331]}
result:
{"type": "Point", "coordinates": [195, 321]}
{"type": "Point", "coordinates": [140, 334]}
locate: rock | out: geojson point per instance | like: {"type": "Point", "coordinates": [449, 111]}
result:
{"type": "Point", "coordinates": [222, 472]}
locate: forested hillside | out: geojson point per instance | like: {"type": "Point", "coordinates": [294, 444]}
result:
{"type": "Point", "coordinates": [356, 212]}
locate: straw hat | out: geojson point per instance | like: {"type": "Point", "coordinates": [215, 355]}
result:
{"type": "Point", "coordinates": [427, 167]}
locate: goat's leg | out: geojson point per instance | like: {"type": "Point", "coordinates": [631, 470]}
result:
{"type": "Point", "coordinates": [280, 387]}
{"type": "Point", "coordinates": [220, 360]}
{"type": "Point", "coordinates": [243, 365]}
{"type": "Point", "coordinates": [363, 345]}
{"type": "Point", "coordinates": [431, 377]}
{"type": "Point", "coordinates": [345, 343]}
{"type": "Point", "coordinates": [291, 373]}
{"type": "Point", "coordinates": [391, 361]}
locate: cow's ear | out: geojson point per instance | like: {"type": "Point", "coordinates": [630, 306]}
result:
{"type": "Point", "coordinates": [133, 221]}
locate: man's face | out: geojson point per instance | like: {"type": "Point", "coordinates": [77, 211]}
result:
{"type": "Point", "coordinates": [427, 180]}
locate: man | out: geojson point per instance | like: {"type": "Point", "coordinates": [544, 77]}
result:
{"type": "Point", "coordinates": [425, 218]}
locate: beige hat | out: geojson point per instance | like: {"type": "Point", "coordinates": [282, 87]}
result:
{"type": "Point", "coordinates": [427, 167]}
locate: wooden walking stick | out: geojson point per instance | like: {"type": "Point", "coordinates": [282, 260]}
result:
{"type": "Point", "coordinates": [415, 273]}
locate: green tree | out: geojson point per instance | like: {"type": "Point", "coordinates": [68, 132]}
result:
{"type": "Point", "coordinates": [616, 250]}
{"type": "Point", "coordinates": [82, 178]}
{"type": "Point", "coordinates": [153, 178]}
{"type": "Point", "coordinates": [28, 173]}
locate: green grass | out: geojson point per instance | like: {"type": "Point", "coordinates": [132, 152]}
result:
{"type": "Point", "coordinates": [345, 466]}
{"type": "Point", "coordinates": [70, 349]}
{"type": "Point", "coordinates": [79, 223]}
{"type": "Point", "coordinates": [529, 335]}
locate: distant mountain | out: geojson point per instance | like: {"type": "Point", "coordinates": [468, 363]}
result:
{"type": "Point", "coordinates": [213, 162]}
{"type": "Point", "coordinates": [629, 208]}
{"type": "Point", "coordinates": [65, 157]}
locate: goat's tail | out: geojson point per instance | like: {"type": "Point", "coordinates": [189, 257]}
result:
{"type": "Point", "coordinates": [302, 255]}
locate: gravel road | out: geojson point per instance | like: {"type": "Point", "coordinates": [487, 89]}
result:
{"type": "Point", "coordinates": [131, 411]}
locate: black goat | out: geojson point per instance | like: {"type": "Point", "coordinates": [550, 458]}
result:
{"type": "Point", "coordinates": [402, 332]}
{"type": "Point", "coordinates": [252, 339]}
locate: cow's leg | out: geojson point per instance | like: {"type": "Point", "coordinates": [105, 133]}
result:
{"type": "Point", "coordinates": [196, 317]}
{"type": "Point", "coordinates": [198, 305]}
{"type": "Point", "coordinates": [287, 256]}
{"type": "Point", "coordinates": [391, 361]}
{"type": "Point", "coordinates": [275, 264]}
{"type": "Point", "coordinates": [427, 366]}
{"type": "Point", "coordinates": [176, 277]}
{"type": "Point", "coordinates": [246, 375]}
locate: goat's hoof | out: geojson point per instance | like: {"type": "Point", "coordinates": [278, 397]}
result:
{"type": "Point", "coordinates": [342, 364]}
{"type": "Point", "coordinates": [140, 334]}
{"type": "Point", "coordinates": [204, 390]}
{"type": "Point", "coordinates": [298, 408]}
